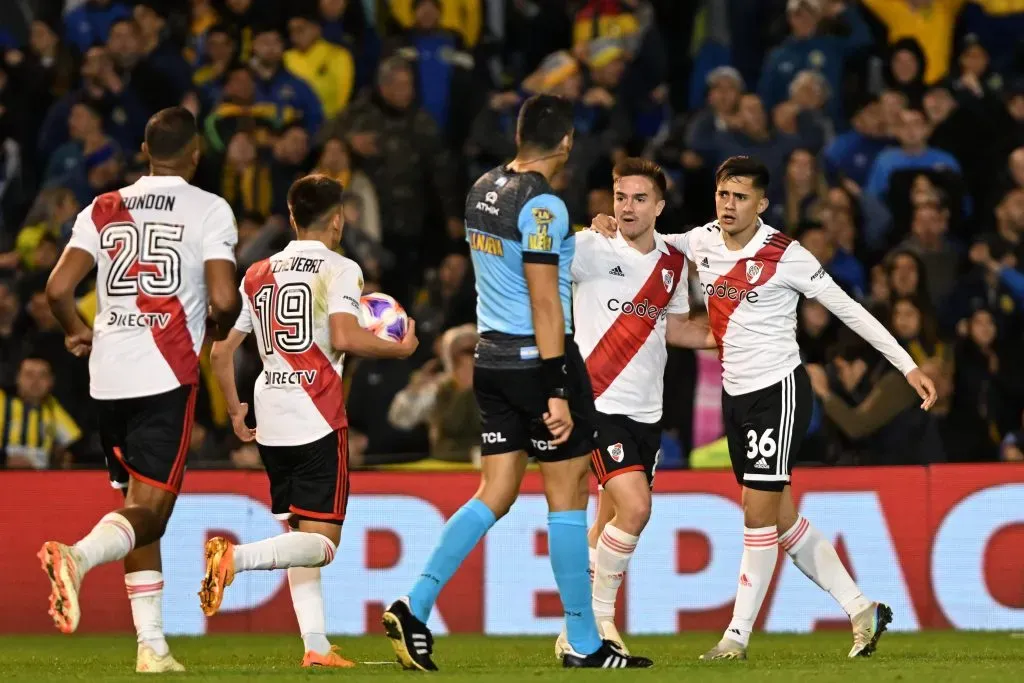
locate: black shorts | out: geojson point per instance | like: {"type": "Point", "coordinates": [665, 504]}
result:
{"type": "Point", "coordinates": [765, 429]}
{"type": "Point", "coordinates": [148, 437]}
{"type": "Point", "coordinates": [309, 480]}
{"type": "Point", "coordinates": [512, 404]}
{"type": "Point", "coordinates": [625, 445]}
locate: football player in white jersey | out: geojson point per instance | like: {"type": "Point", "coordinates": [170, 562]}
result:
{"type": "Point", "coordinates": [752, 276]}
{"type": "Point", "coordinates": [630, 298]}
{"type": "Point", "coordinates": [164, 254]}
{"type": "Point", "coordinates": [303, 304]}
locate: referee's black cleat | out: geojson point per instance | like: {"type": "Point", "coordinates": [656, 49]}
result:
{"type": "Point", "coordinates": [606, 657]}
{"type": "Point", "coordinates": [410, 638]}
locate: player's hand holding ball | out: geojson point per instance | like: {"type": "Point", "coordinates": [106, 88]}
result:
{"type": "Point", "coordinates": [244, 433]}
{"type": "Point", "coordinates": [604, 224]}
{"type": "Point", "coordinates": [409, 342]}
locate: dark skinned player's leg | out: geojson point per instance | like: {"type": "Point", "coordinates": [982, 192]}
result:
{"type": "Point", "coordinates": [144, 582]}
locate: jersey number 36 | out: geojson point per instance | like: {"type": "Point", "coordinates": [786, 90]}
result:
{"type": "Point", "coordinates": [765, 446]}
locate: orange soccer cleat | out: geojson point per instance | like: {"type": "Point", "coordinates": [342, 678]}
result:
{"type": "Point", "coordinates": [61, 567]}
{"type": "Point", "coordinates": [220, 572]}
{"type": "Point", "coordinates": [332, 658]}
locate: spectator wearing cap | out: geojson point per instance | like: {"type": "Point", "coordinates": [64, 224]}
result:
{"type": "Point", "coordinates": [913, 153]}
{"type": "Point", "coordinates": [464, 17]}
{"type": "Point", "coordinates": [158, 52]}
{"type": "Point", "coordinates": [725, 86]}
{"type": "Point", "coordinates": [329, 69]}
{"type": "Point", "coordinates": [443, 68]}
{"type": "Point", "coordinates": [275, 83]}
{"type": "Point", "coordinates": [806, 48]}
{"type": "Point", "coordinates": [124, 114]}
{"type": "Point", "coordinates": [852, 154]}
{"type": "Point", "coordinates": [89, 24]}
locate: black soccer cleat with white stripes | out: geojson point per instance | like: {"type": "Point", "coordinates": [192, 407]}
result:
{"type": "Point", "coordinates": [410, 638]}
{"type": "Point", "coordinates": [606, 657]}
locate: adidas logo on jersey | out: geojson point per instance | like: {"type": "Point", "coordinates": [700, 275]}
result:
{"type": "Point", "coordinates": [761, 464]}
{"type": "Point", "coordinates": [617, 270]}
{"type": "Point", "coordinates": [704, 262]}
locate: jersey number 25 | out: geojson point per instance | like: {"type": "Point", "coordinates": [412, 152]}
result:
{"type": "Point", "coordinates": [143, 260]}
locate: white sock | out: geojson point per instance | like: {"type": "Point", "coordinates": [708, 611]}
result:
{"type": "Point", "coordinates": [614, 548]}
{"type": "Point", "coordinates": [146, 594]}
{"type": "Point", "coordinates": [818, 559]}
{"type": "Point", "coordinates": [308, 601]}
{"type": "Point", "coordinates": [592, 555]}
{"type": "Point", "coordinates": [294, 549]}
{"type": "Point", "coordinates": [760, 553]}
{"type": "Point", "coordinates": [110, 540]}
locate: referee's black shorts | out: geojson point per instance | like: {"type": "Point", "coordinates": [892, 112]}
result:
{"type": "Point", "coordinates": [513, 402]}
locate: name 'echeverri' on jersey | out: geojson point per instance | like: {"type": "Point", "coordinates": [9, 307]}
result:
{"type": "Point", "coordinates": [512, 218]}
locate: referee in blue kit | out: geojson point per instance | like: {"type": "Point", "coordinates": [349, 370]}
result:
{"type": "Point", "coordinates": [531, 385]}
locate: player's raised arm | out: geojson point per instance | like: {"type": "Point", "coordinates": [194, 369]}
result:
{"type": "Point", "coordinates": [805, 274]}
{"type": "Point", "coordinates": [347, 335]}
{"type": "Point", "coordinates": [75, 263]}
{"type": "Point", "coordinates": [543, 224]}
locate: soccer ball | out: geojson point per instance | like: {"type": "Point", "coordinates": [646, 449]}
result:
{"type": "Point", "coordinates": [384, 316]}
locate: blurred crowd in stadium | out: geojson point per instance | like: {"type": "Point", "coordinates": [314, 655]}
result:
{"type": "Point", "coordinates": [894, 130]}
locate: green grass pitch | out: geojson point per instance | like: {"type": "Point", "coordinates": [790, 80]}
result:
{"type": "Point", "coordinates": [935, 657]}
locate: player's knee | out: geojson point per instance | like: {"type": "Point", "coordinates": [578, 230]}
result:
{"type": "Point", "coordinates": [757, 514]}
{"type": "Point", "coordinates": [330, 549]}
{"type": "Point", "coordinates": [635, 518]}
{"type": "Point", "coordinates": [498, 499]}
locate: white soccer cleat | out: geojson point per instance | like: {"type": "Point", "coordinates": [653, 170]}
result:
{"type": "Point", "coordinates": [149, 662]}
{"type": "Point", "coordinates": [607, 631]}
{"type": "Point", "coordinates": [868, 627]}
{"type": "Point", "coordinates": [61, 568]}
{"type": "Point", "coordinates": [727, 648]}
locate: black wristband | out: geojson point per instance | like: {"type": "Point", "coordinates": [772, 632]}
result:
{"type": "Point", "coordinates": [556, 378]}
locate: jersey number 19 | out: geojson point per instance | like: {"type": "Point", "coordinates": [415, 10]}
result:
{"type": "Point", "coordinates": [286, 317]}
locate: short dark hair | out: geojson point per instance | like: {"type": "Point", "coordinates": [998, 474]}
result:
{"type": "Point", "coordinates": [744, 167]}
{"type": "Point", "coordinates": [39, 358]}
{"type": "Point", "coordinates": [169, 132]}
{"type": "Point", "coordinates": [636, 166]}
{"type": "Point", "coordinates": [310, 197]}
{"type": "Point", "coordinates": [544, 120]}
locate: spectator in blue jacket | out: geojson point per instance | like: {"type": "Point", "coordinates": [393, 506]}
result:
{"type": "Point", "coordinates": [159, 52]}
{"type": "Point", "coordinates": [913, 153]}
{"type": "Point", "coordinates": [725, 86]}
{"type": "Point", "coordinates": [805, 48]}
{"type": "Point", "coordinates": [275, 83]}
{"type": "Point", "coordinates": [852, 154]}
{"type": "Point", "coordinates": [90, 23]}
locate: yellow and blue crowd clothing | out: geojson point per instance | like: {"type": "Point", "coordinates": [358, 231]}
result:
{"type": "Point", "coordinates": [461, 16]}
{"type": "Point", "coordinates": [34, 432]}
{"type": "Point", "coordinates": [330, 71]}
